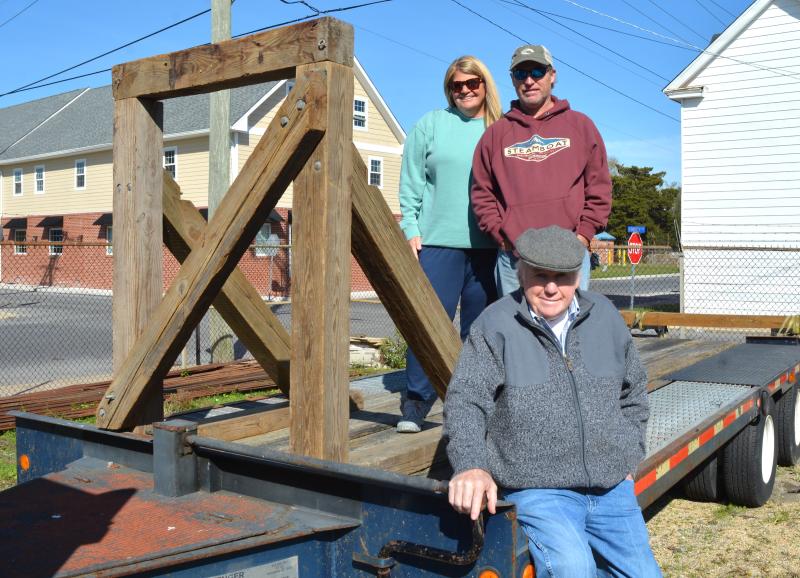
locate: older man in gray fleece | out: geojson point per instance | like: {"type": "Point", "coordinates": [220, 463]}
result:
{"type": "Point", "coordinates": [549, 402]}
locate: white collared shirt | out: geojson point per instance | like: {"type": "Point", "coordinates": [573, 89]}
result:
{"type": "Point", "coordinates": [559, 326]}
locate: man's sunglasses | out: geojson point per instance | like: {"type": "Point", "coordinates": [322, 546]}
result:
{"type": "Point", "coordinates": [520, 74]}
{"type": "Point", "coordinates": [471, 83]}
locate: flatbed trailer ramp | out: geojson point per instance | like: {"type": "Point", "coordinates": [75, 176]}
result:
{"type": "Point", "coordinates": [118, 504]}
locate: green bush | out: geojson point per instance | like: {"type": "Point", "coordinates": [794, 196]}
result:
{"type": "Point", "coordinates": [393, 352]}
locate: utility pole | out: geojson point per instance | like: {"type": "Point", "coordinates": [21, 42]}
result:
{"type": "Point", "coordinates": [219, 167]}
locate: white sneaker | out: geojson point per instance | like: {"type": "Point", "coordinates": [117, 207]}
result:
{"type": "Point", "coordinates": [404, 426]}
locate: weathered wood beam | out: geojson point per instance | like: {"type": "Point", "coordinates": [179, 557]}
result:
{"type": "Point", "coordinates": [270, 55]}
{"type": "Point", "coordinates": [321, 279]}
{"type": "Point", "coordinates": [137, 283]}
{"type": "Point", "coordinates": [711, 320]}
{"type": "Point", "coordinates": [383, 253]}
{"type": "Point", "coordinates": [239, 304]}
{"type": "Point", "coordinates": [276, 161]}
{"type": "Point", "coordinates": [253, 423]}
{"type": "Point", "coordinates": [250, 423]}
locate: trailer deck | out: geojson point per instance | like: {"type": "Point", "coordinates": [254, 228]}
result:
{"type": "Point", "coordinates": [374, 443]}
{"type": "Point", "coordinates": [124, 504]}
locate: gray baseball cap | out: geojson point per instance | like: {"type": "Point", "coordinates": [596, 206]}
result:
{"type": "Point", "coordinates": [531, 53]}
{"type": "Point", "coordinates": [551, 248]}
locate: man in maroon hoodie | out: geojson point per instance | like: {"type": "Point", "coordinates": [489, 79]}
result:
{"type": "Point", "coordinates": [541, 164]}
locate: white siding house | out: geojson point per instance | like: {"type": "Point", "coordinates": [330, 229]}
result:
{"type": "Point", "coordinates": [740, 153]}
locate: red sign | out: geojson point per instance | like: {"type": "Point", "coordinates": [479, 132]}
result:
{"type": "Point", "coordinates": [635, 248]}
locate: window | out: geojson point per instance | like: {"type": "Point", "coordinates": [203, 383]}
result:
{"type": "Point", "coordinates": [360, 114]}
{"type": "Point", "coordinates": [80, 174]}
{"type": "Point", "coordinates": [376, 171]}
{"type": "Point", "coordinates": [56, 236]}
{"type": "Point", "coordinates": [39, 179]}
{"type": "Point", "coordinates": [19, 237]}
{"type": "Point", "coordinates": [171, 161]}
{"type": "Point", "coordinates": [17, 182]}
{"type": "Point", "coordinates": [265, 245]}
{"type": "Point", "coordinates": [110, 240]}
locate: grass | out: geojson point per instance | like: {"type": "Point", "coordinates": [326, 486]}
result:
{"type": "Point", "coordinates": [8, 459]}
{"type": "Point", "coordinates": [641, 270]}
{"type": "Point", "coordinates": [175, 403]}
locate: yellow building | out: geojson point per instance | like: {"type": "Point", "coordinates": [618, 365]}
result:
{"type": "Point", "coordinates": [56, 169]}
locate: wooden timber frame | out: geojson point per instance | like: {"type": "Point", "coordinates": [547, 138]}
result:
{"type": "Point", "coordinates": [656, 319]}
{"type": "Point", "coordinates": [308, 143]}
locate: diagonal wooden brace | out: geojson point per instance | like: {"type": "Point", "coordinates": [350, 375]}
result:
{"type": "Point", "coordinates": [383, 253]}
{"type": "Point", "coordinates": [240, 305]}
{"type": "Point", "coordinates": [275, 162]}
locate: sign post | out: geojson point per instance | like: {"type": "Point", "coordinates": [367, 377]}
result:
{"type": "Point", "coordinates": [635, 251]}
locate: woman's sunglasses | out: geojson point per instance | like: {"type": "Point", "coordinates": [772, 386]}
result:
{"type": "Point", "coordinates": [520, 74]}
{"type": "Point", "coordinates": [471, 83]}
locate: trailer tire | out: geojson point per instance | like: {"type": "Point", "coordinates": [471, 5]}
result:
{"type": "Point", "coordinates": [749, 461]}
{"type": "Point", "coordinates": [787, 427]}
{"type": "Point", "coordinates": [704, 483]}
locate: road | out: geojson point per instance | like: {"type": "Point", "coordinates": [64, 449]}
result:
{"type": "Point", "coordinates": [53, 337]}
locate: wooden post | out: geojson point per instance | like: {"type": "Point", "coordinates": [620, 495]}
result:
{"type": "Point", "coordinates": [382, 252]}
{"type": "Point", "coordinates": [274, 163]}
{"type": "Point", "coordinates": [321, 282]}
{"type": "Point", "coordinates": [138, 143]}
{"type": "Point", "coordinates": [219, 169]}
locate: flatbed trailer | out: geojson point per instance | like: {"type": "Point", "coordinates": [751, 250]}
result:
{"type": "Point", "coordinates": [97, 503]}
{"type": "Point", "coordinates": [309, 486]}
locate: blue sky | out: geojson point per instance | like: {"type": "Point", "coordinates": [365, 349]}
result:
{"type": "Point", "coordinates": [405, 46]}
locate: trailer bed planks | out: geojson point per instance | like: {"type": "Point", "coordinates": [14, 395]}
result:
{"type": "Point", "coordinates": [374, 442]}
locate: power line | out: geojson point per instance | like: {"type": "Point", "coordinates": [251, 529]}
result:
{"type": "Point", "coordinates": [18, 13]}
{"type": "Point", "coordinates": [653, 72]}
{"type": "Point", "coordinates": [37, 84]}
{"type": "Point", "coordinates": [678, 21]}
{"type": "Point", "coordinates": [118, 48]}
{"type": "Point", "coordinates": [505, 5]}
{"type": "Point", "coordinates": [316, 13]}
{"type": "Point", "coordinates": [723, 9]}
{"type": "Point", "coordinates": [704, 7]}
{"type": "Point", "coordinates": [656, 22]}
{"type": "Point", "coordinates": [598, 81]}
{"type": "Point", "coordinates": [673, 40]}
{"type": "Point", "coordinates": [392, 40]}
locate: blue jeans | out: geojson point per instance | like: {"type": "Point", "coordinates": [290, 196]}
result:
{"type": "Point", "coordinates": [506, 272]}
{"type": "Point", "coordinates": [587, 532]}
{"type": "Point", "coordinates": [455, 274]}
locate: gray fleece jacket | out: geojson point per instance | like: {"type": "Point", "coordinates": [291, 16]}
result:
{"type": "Point", "coordinates": [535, 418]}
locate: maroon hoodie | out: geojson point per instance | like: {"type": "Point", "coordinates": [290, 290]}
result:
{"type": "Point", "coordinates": [535, 172]}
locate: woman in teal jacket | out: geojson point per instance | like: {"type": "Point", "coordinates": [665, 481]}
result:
{"type": "Point", "coordinates": [437, 218]}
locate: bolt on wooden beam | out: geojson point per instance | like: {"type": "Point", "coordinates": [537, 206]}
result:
{"type": "Point", "coordinates": [270, 55]}
{"type": "Point", "coordinates": [274, 163]}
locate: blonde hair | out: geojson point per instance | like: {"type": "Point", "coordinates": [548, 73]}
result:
{"type": "Point", "coordinates": [471, 65]}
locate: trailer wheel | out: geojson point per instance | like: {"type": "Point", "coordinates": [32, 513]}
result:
{"type": "Point", "coordinates": [749, 461]}
{"type": "Point", "coordinates": [787, 427]}
{"type": "Point", "coordinates": [704, 484]}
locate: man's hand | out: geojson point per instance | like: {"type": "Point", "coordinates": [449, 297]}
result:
{"type": "Point", "coordinates": [468, 490]}
{"type": "Point", "coordinates": [416, 246]}
{"type": "Point", "coordinates": [583, 240]}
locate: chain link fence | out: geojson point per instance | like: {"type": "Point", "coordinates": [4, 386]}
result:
{"type": "Point", "coordinates": [55, 301]}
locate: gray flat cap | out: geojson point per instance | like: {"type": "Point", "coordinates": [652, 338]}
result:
{"type": "Point", "coordinates": [551, 248]}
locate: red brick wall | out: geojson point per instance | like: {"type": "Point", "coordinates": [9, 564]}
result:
{"type": "Point", "coordinates": [85, 264]}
